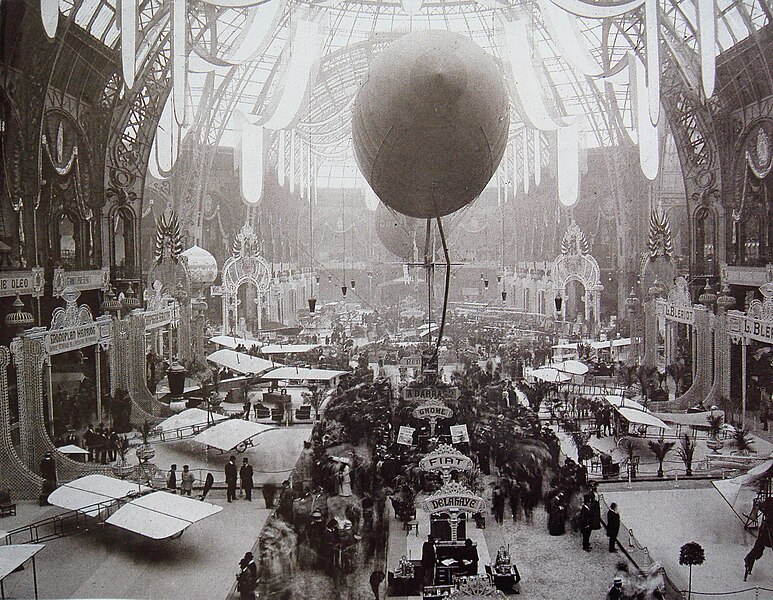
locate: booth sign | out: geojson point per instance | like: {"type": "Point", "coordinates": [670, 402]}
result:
{"type": "Point", "coordinates": [454, 496]}
{"type": "Point", "coordinates": [81, 280]}
{"type": "Point", "coordinates": [24, 283]}
{"type": "Point", "coordinates": [405, 435]}
{"type": "Point", "coordinates": [158, 318]}
{"type": "Point", "coordinates": [412, 362]}
{"type": "Point", "coordinates": [59, 341]}
{"type": "Point", "coordinates": [433, 411]}
{"type": "Point", "coordinates": [450, 461]}
{"type": "Point", "coordinates": [675, 312]}
{"type": "Point", "coordinates": [430, 393]}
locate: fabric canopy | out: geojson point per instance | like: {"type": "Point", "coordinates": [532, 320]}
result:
{"type": "Point", "coordinates": [241, 362]}
{"type": "Point", "coordinates": [14, 556]}
{"type": "Point", "coordinates": [71, 449]}
{"type": "Point", "coordinates": [302, 373]}
{"type": "Point", "coordinates": [229, 434]}
{"type": "Point", "coordinates": [731, 488]}
{"type": "Point", "coordinates": [550, 375]}
{"type": "Point", "coordinates": [574, 367]}
{"type": "Point", "coordinates": [643, 418]}
{"type": "Point", "coordinates": [287, 348]}
{"type": "Point", "coordinates": [85, 492]}
{"type": "Point", "coordinates": [615, 343]}
{"type": "Point", "coordinates": [161, 515]}
{"type": "Point", "coordinates": [699, 419]}
{"type": "Point", "coordinates": [623, 402]}
{"type": "Point", "coordinates": [230, 341]}
{"type": "Point", "coordinates": [188, 418]}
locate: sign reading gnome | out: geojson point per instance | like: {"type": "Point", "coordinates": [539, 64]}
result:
{"type": "Point", "coordinates": [445, 459]}
{"type": "Point", "coordinates": [433, 411]}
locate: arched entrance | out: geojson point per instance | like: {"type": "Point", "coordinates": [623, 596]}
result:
{"type": "Point", "coordinates": [576, 279]}
{"type": "Point", "coordinates": [245, 266]}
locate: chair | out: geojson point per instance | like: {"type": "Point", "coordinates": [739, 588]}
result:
{"type": "Point", "coordinates": [7, 507]}
{"type": "Point", "coordinates": [303, 413]}
{"type": "Point", "coordinates": [277, 415]}
{"type": "Point", "coordinates": [489, 574]}
{"type": "Point", "coordinates": [262, 412]}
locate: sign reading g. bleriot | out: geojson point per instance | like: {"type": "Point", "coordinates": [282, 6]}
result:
{"type": "Point", "coordinates": [433, 411]}
{"type": "Point", "coordinates": [454, 496]}
{"type": "Point", "coordinates": [680, 314]}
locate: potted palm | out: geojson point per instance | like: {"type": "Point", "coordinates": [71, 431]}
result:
{"type": "Point", "coordinates": [660, 449]}
{"type": "Point", "coordinates": [686, 451]}
{"type": "Point", "coordinates": [145, 452]}
{"type": "Point", "coordinates": [121, 467]}
{"type": "Point", "coordinates": [743, 441]}
{"type": "Point", "coordinates": [715, 426]}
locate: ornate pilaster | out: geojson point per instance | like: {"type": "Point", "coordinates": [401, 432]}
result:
{"type": "Point", "coordinates": [14, 473]}
{"type": "Point", "coordinates": [144, 405]}
{"type": "Point", "coordinates": [650, 334]}
{"type": "Point", "coordinates": [28, 357]}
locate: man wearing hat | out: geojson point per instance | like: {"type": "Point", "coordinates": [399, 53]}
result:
{"type": "Point", "coordinates": [616, 591]}
{"type": "Point", "coordinates": [247, 578]}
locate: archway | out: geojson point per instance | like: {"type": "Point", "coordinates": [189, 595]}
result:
{"type": "Point", "coordinates": [246, 266]}
{"type": "Point", "coordinates": [576, 279]}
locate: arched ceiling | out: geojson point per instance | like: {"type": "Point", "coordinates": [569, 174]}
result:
{"type": "Point", "coordinates": [356, 29]}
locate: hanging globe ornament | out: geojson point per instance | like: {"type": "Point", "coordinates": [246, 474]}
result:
{"type": "Point", "coordinates": [430, 123]}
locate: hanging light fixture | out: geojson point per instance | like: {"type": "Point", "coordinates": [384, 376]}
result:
{"type": "Point", "coordinates": [708, 297]}
{"type": "Point", "coordinates": [312, 305]}
{"type": "Point", "coordinates": [20, 319]}
{"type": "Point", "coordinates": [343, 290]}
{"type": "Point", "coordinates": [725, 301]}
{"type": "Point", "coordinates": [504, 295]}
{"type": "Point", "coordinates": [330, 279]}
{"type": "Point", "coordinates": [353, 284]}
{"type": "Point", "coordinates": [558, 302]}
{"type": "Point", "coordinates": [485, 284]}
{"type": "Point", "coordinates": [317, 278]}
{"type": "Point", "coordinates": [499, 279]}
{"type": "Point", "coordinates": [481, 276]}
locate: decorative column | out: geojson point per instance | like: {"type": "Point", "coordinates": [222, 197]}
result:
{"type": "Point", "coordinates": [22, 482]}
{"type": "Point", "coordinates": [650, 333]}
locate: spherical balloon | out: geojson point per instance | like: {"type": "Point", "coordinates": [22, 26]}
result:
{"type": "Point", "coordinates": [430, 124]}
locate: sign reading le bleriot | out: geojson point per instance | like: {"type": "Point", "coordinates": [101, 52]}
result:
{"type": "Point", "coordinates": [680, 314]}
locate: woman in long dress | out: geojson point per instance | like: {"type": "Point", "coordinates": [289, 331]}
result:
{"type": "Point", "coordinates": [344, 480]}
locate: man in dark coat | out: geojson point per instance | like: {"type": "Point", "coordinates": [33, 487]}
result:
{"type": "Point", "coordinates": [613, 526]}
{"type": "Point", "coordinates": [230, 478]}
{"type": "Point", "coordinates": [585, 522]}
{"type": "Point", "coordinates": [428, 560]}
{"type": "Point", "coordinates": [245, 474]}
{"type": "Point", "coordinates": [48, 467]}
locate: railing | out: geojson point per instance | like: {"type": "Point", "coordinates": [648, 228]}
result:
{"type": "Point", "coordinates": [640, 555]}
{"type": "Point", "coordinates": [67, 523]}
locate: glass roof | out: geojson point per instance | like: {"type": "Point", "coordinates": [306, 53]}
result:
{"type": "Point", "coordinates": [227, 74]}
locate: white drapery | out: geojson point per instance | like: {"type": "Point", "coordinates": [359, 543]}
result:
{"type": "Point", "coordinates": [251, 168]}
{"type": "Point", "coordinates": [179, 67]}
{"type": "Point", "coordinates": [128, 40]}
{"type": "Point", "coordinates": [647, 133]}
{"type": "Point", "coordinates": [707, 42]}
{"type": "Point", "coordinates": [568, 164]}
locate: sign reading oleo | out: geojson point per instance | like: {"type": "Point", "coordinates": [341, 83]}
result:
{"type": "Point", "coordinates": [433, 412]}
{"type": "Point", "coordinates": [440, 462]}
{"type": "Point", "coordinates": [430, 393]}
{"type": "Point", "coordinates": [23, 283]}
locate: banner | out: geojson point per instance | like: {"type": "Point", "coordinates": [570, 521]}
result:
{"type": "Point", "coordinates": [459, 434]}
{"type": "Point", "coordinates": [412, 362]}
{"type": "Point", "coordinates": [441, 461]}
{"type": "Point", "coordinates": [81, 280]}
{"type": "Point", "coordinates": [405, 435]}
{"type": "Point", "coordinates": [24, 283]}
{"type": "Point", "coordinates": [431, 393]}
{"type": "Point", "coordinates": [158, 318]}
{"type": "Point", "coordinates": [454, 496]}
{"type": "Point", "coordinates": [433, 411]}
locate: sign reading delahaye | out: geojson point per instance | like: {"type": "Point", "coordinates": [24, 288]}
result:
{"type": "Point", "coordinates": [430, 393]}
{"type": "Point", "coordinates": [454, 496]}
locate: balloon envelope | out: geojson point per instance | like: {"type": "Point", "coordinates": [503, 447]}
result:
{"type": "Point", "coordinates": [430, 123]}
